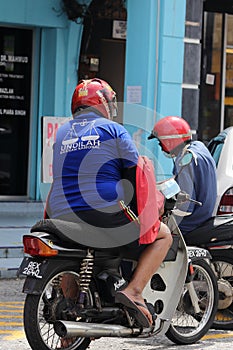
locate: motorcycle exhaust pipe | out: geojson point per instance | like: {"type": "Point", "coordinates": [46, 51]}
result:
{"type": "Point", "coordinates": [71, 329]}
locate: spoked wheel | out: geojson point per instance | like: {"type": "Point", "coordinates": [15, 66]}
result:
{"type": "Point", "coordinates": [224, 272]}
{"type": "Point", "coordinates": [41, 311]}
{"type": "Point", "coordinates": [191, 322]}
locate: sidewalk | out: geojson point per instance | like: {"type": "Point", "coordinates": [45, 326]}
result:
{"type": "Point", "coordinates": [16, 219]}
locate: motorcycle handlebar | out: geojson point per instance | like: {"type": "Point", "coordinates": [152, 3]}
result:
{"type": "Point", "coordinates": [184, 197]}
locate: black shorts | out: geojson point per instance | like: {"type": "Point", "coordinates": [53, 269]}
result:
{"type": "Point", "coordinates": [117, 216]}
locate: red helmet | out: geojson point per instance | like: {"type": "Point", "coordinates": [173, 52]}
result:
{"type": "Point", "coordinates": [171, 132]}
{"type": "Point", "coordinates": [95, 93]}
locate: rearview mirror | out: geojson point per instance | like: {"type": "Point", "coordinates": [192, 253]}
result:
{"type": "Point", "coordinates": [186, 159]}
{"type": "Point", "coordinates": [169, 187]}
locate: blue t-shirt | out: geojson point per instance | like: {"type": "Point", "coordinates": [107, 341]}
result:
{"type": "Point", "coordinates": [198, 179]}
{"type": "Point", "coordinates": [89, 156]}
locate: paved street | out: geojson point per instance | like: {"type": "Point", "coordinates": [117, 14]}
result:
{"type": "Point", "coordinates": [12, 335]}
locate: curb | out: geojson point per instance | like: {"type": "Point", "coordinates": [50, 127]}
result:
{"type": "Point", "coordinates": [16, 219]}
{"type": "Point", "coordinates": [10, 260]}
{"type": "Point", "coordinates": [11, 252]}
{"type": "Point", "coordinates": [8, 273]}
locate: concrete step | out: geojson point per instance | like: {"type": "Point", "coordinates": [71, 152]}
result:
{"type": "Point", "coordinates": [9, 267]}
{"type": "Point", "coordinates": [10, 260]}
{"type": "Point", "coordinates": [16, 219]}
{"type": "Point", "coordinates": [11, 252]}
{"type": "Point", "coordinates": [12, 237]}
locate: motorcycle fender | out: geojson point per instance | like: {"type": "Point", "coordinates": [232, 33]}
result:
{"type": "Point", "coordinates": [198, 253]}
{"type": "Point", "coordinates": [39, 271]}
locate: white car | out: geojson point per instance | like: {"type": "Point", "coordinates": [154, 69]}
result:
{"type": "Point", "coordinates": [221, 148]}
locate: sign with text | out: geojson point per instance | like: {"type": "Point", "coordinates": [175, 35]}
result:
{"type": "Point", "coordinates": [15, 72]}
{"type": "Point", "coordinates": [119, 29]}
{"type": "Point", "coordinates": [134, 94]}
{"type": "Point", "coordinates": [50, 126]}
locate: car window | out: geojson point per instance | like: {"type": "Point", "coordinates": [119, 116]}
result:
{"type": "Point", "coordinates": [216, 144]}
{"type": "Point", "coordinates": [216, 150]}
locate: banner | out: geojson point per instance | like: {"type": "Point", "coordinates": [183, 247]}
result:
{"type": "Point", "coordinates": [50, 126]}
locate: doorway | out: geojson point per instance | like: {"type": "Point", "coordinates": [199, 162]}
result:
{"type": "Point", "coordinates": [15, 97]}
{"type": "Point", "coordinates": [103, 46]}
{"type": "Point", "coordinates": [216, 92]}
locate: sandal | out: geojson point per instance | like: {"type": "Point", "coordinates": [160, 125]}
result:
{"type": "Point", "coordinates": [138, 310]}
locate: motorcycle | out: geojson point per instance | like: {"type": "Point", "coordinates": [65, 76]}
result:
{"type": "Point", "coordinates": [216, 235]}
{"type": "Point", "coordinates": [70, 289]}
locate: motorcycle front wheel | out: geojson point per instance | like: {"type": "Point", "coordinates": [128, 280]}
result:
{"type": "Point", "coordinates": [188, 326]}
{"type": "Point", "coordinates": [41, 312]}
{"type": "Point", "coordinates": [223, 266]}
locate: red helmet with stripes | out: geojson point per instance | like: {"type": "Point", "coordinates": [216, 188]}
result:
{"type": "Point", "coordinates": [95, 93]}
{"type": "Point", "coordinates": [171, 132]}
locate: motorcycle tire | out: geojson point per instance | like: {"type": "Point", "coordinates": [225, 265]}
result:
{"type": "Point", "coordinates": [187, 326]}
{"type": "Point", "coordinates": [41, 311]}
{"type": "Point", "coordinates": [223, 266]}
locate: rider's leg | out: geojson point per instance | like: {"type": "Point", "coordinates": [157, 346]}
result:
{"type": "Point", "coordinates": [149, 261]}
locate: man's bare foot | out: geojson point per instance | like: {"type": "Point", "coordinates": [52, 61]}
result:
{"type": "Point", "coordinates": [137, 309]}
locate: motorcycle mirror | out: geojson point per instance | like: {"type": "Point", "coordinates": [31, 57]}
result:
{"type": "Point", "coordinates": [169, 188]}
{"type": "Point", "coordinates": [186, 159]}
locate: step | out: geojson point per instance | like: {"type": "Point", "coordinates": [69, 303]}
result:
{"type": "Point", "coordinates": [9, 267]}
{"type": "Point", "coordinates": [11, 252]}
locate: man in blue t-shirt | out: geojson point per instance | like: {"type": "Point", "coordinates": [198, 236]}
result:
{"type": "Point", "coordinates": [197, 177]}
{"type": "Point", "coordinates": [91, 155]}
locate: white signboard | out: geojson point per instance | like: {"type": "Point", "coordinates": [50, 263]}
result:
{"type": "Point", "coordinates": [134, 94]}
{"type": "Point", "coordinates": [119, 29]}
{"type": "Point", "coordinates": [50, 126]}
{"type": "Point", "coordinates": [210, 78]}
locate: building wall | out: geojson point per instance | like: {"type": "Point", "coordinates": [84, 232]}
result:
{"type": "Point", "coordinates": [192, 62]}
{"type": "Point", "coordinates": [43, 13]}
{"type": "Point", "coordinates": [153, 71]}
{"type": "Point", "coordinates": [154, 62]}
{"type": "Point", "coordinates": [55, 61]}
{"type": "Point", "coordinates": [58, 77]}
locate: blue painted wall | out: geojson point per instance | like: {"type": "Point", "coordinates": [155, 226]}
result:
{"type": "Point", "coordinates": [58, 75]}
{"type": "Point", "coordinates": [154, 61]}
{"type": "Point", "coordinates": [171, 57]}
{"type": "Point", "coordinates": [47, 13]}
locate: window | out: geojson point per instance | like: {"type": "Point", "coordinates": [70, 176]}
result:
{"type": "Point", "coordinates": [15, 96]}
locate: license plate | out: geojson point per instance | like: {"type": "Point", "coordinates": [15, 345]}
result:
{"type": "Point", "coordinates": [197, 253]}
{"type": "Point", "coordinates": [32, 267]}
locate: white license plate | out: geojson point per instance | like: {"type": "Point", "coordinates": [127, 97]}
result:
{"type": "Point", "coordinates": [32, 267]}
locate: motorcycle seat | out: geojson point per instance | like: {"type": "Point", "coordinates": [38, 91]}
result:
{"type": "Point", "coordinates": [216, 244]}
{"type": "Point", "coordinates": [85, 234]}
{"type": "Point", "coordinates": [216, 229]}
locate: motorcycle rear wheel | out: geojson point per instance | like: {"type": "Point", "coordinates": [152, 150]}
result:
{"type": "Point", "coordinates": [224, 271]}
{"type": "Point", "coordinates": [41, 311]}
{"type": "Point", "coordinates": [187, 327]}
